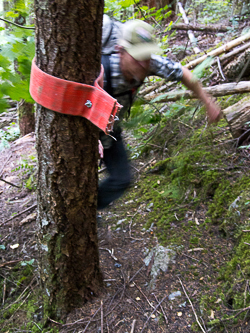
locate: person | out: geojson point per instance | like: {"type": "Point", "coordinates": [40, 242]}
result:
{"type": "Point", "coordinates": [124, 71]}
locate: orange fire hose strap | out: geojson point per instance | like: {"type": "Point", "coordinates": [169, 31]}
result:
{"type": "Point", "coordinates": [73, 98]}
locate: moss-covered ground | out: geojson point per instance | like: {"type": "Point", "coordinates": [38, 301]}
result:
{"type": "Point", "coordinates": [198, 197]}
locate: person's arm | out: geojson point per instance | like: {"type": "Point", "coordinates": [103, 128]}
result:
{"type": "Point", "coordinates": [191, 82]}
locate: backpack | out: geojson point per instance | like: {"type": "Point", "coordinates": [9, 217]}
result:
{"type": "Point", "coordinates": [111, 32]}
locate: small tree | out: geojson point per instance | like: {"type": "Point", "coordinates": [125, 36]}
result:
{"type": "Point", "coordinates": [68, 43]}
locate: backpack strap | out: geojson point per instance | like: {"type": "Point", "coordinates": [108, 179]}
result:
{"type": "Point", "coordinates": [107, 79]}
{"type": "Point", "coordinates": [109, 35]}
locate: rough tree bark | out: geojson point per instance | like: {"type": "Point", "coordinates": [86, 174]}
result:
{"type": "Point", "coordinates": [68, 43]}
{"type": "Point", "coordinates": [26, 117]}
{"type": "Point", "coordinates": [25, 110]}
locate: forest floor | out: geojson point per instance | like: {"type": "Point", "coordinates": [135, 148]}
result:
{"type": "Point", "coordinates": [132, 300]}
{"type": "Point", "coordinates": [163, 250]}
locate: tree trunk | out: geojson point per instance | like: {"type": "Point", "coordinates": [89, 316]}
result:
{"type": "Point", "coordinates": [26, 117]}
{"type": "Point", "coordinates": [68, 44]}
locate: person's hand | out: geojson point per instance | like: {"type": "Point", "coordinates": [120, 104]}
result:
{"type": "Point", "coordinates": [213, 112]}
{"type": "Point", "coordinates": [100, 149]}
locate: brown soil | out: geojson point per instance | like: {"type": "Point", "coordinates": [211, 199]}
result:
{"type": "Point", "coordinates": [125, 303]}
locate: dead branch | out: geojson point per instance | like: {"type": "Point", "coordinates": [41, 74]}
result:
{"type": "Point", "coordinates": [163, 312]}
{"type": "Point", "coordinates": [144, 326]}
{"type": "Point", "coordinates": [10, 263]}
{"type": "Point", "coordinates": [133, 326]}
{"type": "Point", "coordinates": [234, 52]}
{"type": "Point", "coordinates": [6, 161]}
{"type": "Point", "coordinates": [9, 183]}
{"type": "Point", "coordinates": [13, 217]}
{"type": "Point", "coordinates": [196, 317]}
{"type": "Point", "coordinates": [219, 50]}
{"type": "Point", "coordinates": [190, 34]}
{"type": "Point", "coordinates": [101, 316]}
{"type": "Point", "coordinates": [145, 297]}
{"type": "Point", "coordinates": [216, 91]}
{"type": "Point", "coordinates": [110, 252]}
{"type": "Point", "coordinates": [200, 27]}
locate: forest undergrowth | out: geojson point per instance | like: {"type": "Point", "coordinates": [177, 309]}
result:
{"type": "Point", "coordinates": [190, 197]}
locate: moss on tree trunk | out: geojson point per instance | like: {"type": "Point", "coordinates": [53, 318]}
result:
{"type": "Point", "coordinates": [68, 42]}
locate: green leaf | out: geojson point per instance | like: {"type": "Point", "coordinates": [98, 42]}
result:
{"type": "Point", "coordinates": [143, 130]}
{"type": "Point", "coordinates": [4, 62]}
{"type": "Point", "coordinates": [25, 263]}
{"type": "Point", "coordinates": [2, 247]}
{"type": "Point", "coordinates": [198, 71]}
{"type": "Point", "coordinates": [20, 91]}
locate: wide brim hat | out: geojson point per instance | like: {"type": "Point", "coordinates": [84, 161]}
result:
{"type": "Point", "coordinates": [137, 40]}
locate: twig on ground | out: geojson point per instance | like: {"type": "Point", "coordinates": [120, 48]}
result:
{"type": "Point", "coordinates": [220, 70]}
{"type": "Point", "coordinates": [242, 310]}
{"type": "Point", "coordinates": [91, 320]}
{"type": "Point", "coordinates": [6, 161]}
{"type": "Point", "coordinates": [194, 259]}
{"type": "Point", "coordinates": [246, 243]}
{"type": "Point", "coordinates": [101, 316]}
{"type": "Point", "coordinates": [20, 305]}
{"type": "Point", "coordinates": [133, 326]}
{"type": "Point", "coordinates": [110, 252]}
{"type": "Point", "coordinates": [13, 217]}
{"type": "Point", "coordinates": [245, 292]}
{"type": "Point", "coordinates": [80, 321]}
{"type": "Point", "coordinates": [155, 309]}
{"type": "Point", "coordinates": [37, 326]}
{"type": "Point", "coordinates": [245, 230]}
{"type": "Point", "coordinates": [102, 170]}
{"type": "Point", "coordinates": [145, 165]}
{"type": "Point", "coordinates": [10, 262]}
{"type": "Point", "coordinates": [130, 224]}
{"type": "Point", "coordinates": [151, 144]}
{"type": "Point", "coordinates": [9, 183]}
{"type": "Point", "coordinates": [162, 310]}
{"type": "Point", "coordinates": [145, 297]}
{"type": "Point", "coordinates": [181, 122]}
{"type": "Point", "coordinates": [196, 317]}
{"type": "Point", "coordinates": [196, 249]}
{"type": "Point", "coordinates": [55, 322]}
{"type": "Point", "coordinates": [4, 290]}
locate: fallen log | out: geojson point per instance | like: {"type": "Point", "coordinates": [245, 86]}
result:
{"type": "Point", "coordinates": [190, 34]}
{"type": "Point", "coordinates": [237, 116]}
{"type": "Point", "coordinates": [200, 27]}
{"type": "Point", "coordinates": [161, 83]}
{"type": "Point", "coordinates": [234, 68]}
{"type": "Point", "coordinates": [234, 52]}
{"type": "Point", "coordinates": [216, 91]}
{"type": "Point", "coordinates": [219, 50]}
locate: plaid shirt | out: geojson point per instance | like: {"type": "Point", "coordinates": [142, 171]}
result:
{"type": "Point", "coordinates": [159, 66]}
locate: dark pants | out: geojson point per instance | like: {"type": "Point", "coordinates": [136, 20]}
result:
{"type": "Point", "coordinates": [116, 161]}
